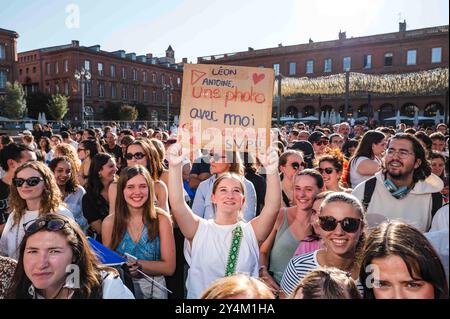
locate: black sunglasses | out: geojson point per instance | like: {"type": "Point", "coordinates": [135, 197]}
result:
{"type": "Point", "coordinates": [217, 157]}
{"type": "Point", "coordinates": [348, 224]}
{"type": "Point", "coordinates": [138, 156]}
{"type": "Point", "coordinates": [296, 165]}
{"type": "Point", "coordinates": [35, 225]}
{"type": "Point", "coordinates": [327, 170]}
{"type": "Point", "coordinates": [322, 142]}
{"type": "Point", "coordinates": [31, 181]}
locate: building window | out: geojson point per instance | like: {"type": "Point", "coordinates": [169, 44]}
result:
{"type": "Point", "coordinates": [144, 76]}
{"type": "Point", "coordinates": [2, 51]}
{"type": "Point", "coordinates": [178, 81]}
{"type": "Point", "coordinates": [113, 91]}
{"type": "Point", "coordinates": [309, 66]}
{"type": "Point", "coordinates": [388, 59]}
{"type": "Point", "coordinates": [124, 73]}
{"type": "Point", "coordinates": [292, 68]}
{"type": "Point", "coordinates": [276, 68]}
{"type": "Point", "coordinates": [163, 79]}
{"type": "Point", "coordinates": [56, 67]}
{"type": "Point", "coordinates": [57, 88]}
{"type": "Point", "coordinates": [124, 92]}
{"type": "Point", "coordinates": [112, 71]}
{"type": "Point", "coordinates": [34, 69]}
{"type": "Point", "coordinates": [327, 65]}
{"type": "Point", "coordinates": [135, 75]}
{"type": "Point", "coordinates": [411, 57]}
{"type": "Point", "coordinates": [144, 95]}
{"type": "Point", "coordinates": [101, 89]}
{"type": "Point", "coordinates": [367, 63]}
{"type": "Point", "coordinates": [2, 79]}
{"type": "Point", "coordinates": [88, 89]}
{"type": "Point", "coordinates": [66, 88]}
{"type": "Point", "coordinates": [20, 71]}
{"type": "Point", "coordinates": [154, 96]}
{"type": "Point", "coordinates": [47, 68]}
{"type": "Point", "coordinates": [87, 65]}
{"type": "Point", "coordinates": [154, 77]}
{"type": "Point", "coordinates": [347, 63]}
{"type": "Point", "coordinates": [66, 66]}
{"type": "Point", "coordinates": [135, 95]}
{"type": "Point", "coordinates": [436, 55]}
{"type": "Point", "coordinates": [100, 68]}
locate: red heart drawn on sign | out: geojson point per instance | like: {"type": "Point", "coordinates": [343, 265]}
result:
{"type": "Point", "coordinates": [258, 77]}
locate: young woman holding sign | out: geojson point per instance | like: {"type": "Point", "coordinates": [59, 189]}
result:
{"type": "Point", "coordinates": [224, 245]}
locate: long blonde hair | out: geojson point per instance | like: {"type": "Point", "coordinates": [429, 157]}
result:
{"type": "Point", "coordinates": [51, 195]}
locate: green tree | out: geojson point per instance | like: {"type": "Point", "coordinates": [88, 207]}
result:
{"type": "Point", "coordinates": [58, 106]}
{"type": "Point", "coordinates": [15, 105]}
{"type": "Point", "coordinates": [37, 103]}
{"type": "Point", "coordinates": [128, 113]}
{"type": "Point", "coordinates": [142, 111]}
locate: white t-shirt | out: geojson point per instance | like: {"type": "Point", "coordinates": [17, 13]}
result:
{"type": "Point", "coordinates": [12, 235]}
{"type": "Point", "coordinates": [208, 255]}
{"type": "Point", "coordinates": [440, 220]}
{"type": "Point", "coordinates": [355, 177]}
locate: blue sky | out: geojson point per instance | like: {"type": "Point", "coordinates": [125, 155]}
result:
{"type": "Point", "coordinates": [206, 27]}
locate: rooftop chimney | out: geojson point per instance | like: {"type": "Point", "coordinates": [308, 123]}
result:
{"type": "Point", "coordinates": [402, 26]}
{"type": "Point", "coordinates": [342, 35]}
{"type": "Point", "coordinates": [185, 60]}
{"type": "Point", "coordinates": [75, 43]}
{"type": "Point", "coordinates": [250, 49]}
{"type": "Point", "coordinates": [149, 55]}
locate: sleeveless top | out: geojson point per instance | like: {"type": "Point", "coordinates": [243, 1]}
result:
{"type": "Point", "coordinates": [144, 249]}
{"type": "Point", "coordinates": [283, 249]}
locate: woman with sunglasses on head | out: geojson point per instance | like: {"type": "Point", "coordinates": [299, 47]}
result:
{"type": "Point", "coordinates": [86, 151]}
{"type": "Point", "coordinates": [222, 246]}
{"type": "Point", "coordinates": [330, 167]}
{"type": "Point", "coordinates": [367, 159]}
{"type": "Point", "coordinates": [290, 163]}
{"type": "Point", "coordinates": [141, 152]}
{"type": "Point", "coordinates": [399, 262]}
{"type": "Point", "coordinates": [293, 225]}
{"type": "Point", "coordinates": [220, 163]}
{"type": "Point", "coordinates": [69, 151]}
{"type": "Point", "coordinates": [139, 228]}
{"type": "Point", "coordinates": [95, 203]}
{"type": "Point", "coordinates": [34, 192]}
{"type": "Point", "coordinates": [56, 262]}
{"type": "Point", "coordinates": [342, 224]}
{"type": "Point", "coordinates": [71, 192]}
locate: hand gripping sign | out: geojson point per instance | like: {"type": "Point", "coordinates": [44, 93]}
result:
{"type": "Point", "coordinates": [226, 108]}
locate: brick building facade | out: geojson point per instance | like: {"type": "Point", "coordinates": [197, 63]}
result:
{"type": "Point", "coordinates": [8, 58]}
{"type": "Point", "coordinates": [391, 53]}
{"type": "Point", "coordinates": [117, 77]}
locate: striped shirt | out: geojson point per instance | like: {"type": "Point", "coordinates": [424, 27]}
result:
{"type": "Point", "coordinates": [298, 267]}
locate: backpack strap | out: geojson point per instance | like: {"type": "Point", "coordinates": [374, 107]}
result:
{"type": "Point", "coordinates": [436, 203]}
{"type": "Point", "coordinates": [369, 188]}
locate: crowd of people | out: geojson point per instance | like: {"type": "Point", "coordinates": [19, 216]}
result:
{"type": "Point", "coordinates": [334, 212]}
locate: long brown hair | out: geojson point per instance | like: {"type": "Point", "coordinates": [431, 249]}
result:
{"type": "Point", "coordinates": [154, 163]}
{"type": "Point", "coordinates": [72, 184]}
{"type": "Point", "coordinates": [51, 195]}
{"type": "Point", "coordinates": [90, 276]}
{"type": "Point", "coordinates": [122, 213]}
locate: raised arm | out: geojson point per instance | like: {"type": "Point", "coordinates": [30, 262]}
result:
{"type": "Point", "coordinates": [263, 224]}
{"type": "Point", "coordinates": [186, 219]}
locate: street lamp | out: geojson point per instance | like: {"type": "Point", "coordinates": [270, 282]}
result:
{"type": "Point", "coordinates": [83, 76]}
{"type": "Point", "coordinates": [168, 88]}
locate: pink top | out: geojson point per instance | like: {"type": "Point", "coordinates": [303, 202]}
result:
{"type": "Point", "coordinates": [307, 245]}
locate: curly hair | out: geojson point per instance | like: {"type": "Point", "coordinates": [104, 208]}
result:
{"type": "Point", "coordinates": [72, 184]}
{"type": "Point", "coordinates": [51, 196]}
{"type": "Point", "coordinates": [335, 157]}
{"type": "Point", "coordinates": [68, 151]}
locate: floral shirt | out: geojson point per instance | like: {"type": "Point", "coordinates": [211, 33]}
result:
{"type": "Point", "coordinates": [7, 268]}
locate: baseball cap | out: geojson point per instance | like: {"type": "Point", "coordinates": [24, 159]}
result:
{"type": "Point", "coordinates": [316, 136]}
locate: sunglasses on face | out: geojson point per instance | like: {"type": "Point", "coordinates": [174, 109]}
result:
{"type": "Point", "coordinates": [323, 142]}
{"type": "Point", "coordinates": [217, 157]}
{"type": "Point", "coordinates": [327, 170]}
{"type": "Point", "coordinates": [31, 181]}
{"type": "Point", "coordinates": [37, 224]}
{"type": "Point", "coordinates": [138, 156]}
{"type": "Point", "coordinates": [296, 165]}
{"type": "Point", "coordinates": [348, 224]}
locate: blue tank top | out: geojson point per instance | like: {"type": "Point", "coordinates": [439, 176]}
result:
{"type": "Point", "coordinates": [144, 249]}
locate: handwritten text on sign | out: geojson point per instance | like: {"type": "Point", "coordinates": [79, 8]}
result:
{"type": "Point", "coordinates": [218, 98]}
